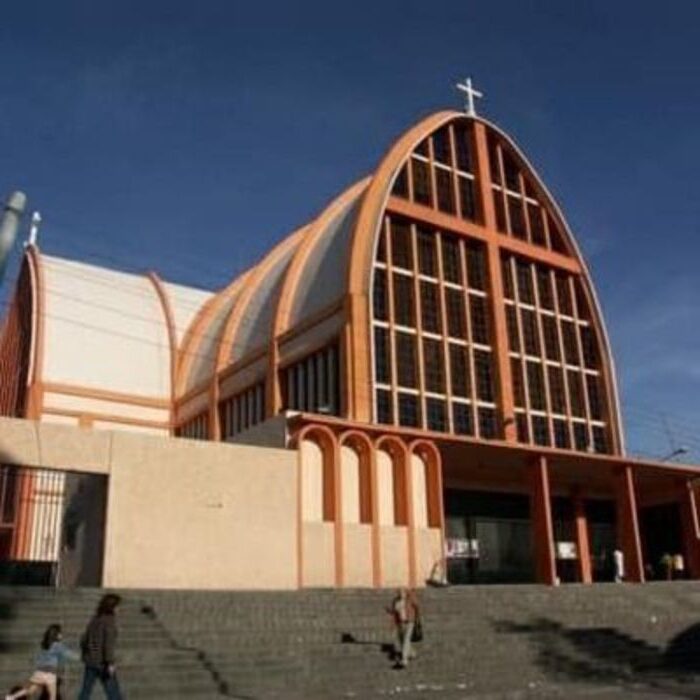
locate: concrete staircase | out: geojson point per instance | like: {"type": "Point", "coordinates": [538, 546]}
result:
{"type": "Point", "coordinates": [490, 641]}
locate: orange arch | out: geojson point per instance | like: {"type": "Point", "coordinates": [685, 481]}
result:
{"type": "Point", "coordinates": [430, 454]}
{"type": "Point", "coordinates": [359, 442]}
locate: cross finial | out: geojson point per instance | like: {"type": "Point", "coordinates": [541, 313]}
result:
{"type": "Point", "coordinates": [471, 93]}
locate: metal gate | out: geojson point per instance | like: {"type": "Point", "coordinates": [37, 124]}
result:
{"type": "Point", "coordinates": [51, 527]}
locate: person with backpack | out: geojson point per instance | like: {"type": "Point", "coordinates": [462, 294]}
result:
{"type": "Point", "coordinates": [98, 645]}
{"type": "Point", "coordinates": [53, 655]}
{"type": "Point", "coordinates": [406, 616]}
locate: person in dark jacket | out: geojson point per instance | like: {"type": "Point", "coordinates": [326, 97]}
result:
{"type": "Point", "coordinates": [98, 646]}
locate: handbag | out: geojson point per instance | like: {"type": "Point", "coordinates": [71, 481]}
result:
{"type": "Point", "coordinates": [417, 634]}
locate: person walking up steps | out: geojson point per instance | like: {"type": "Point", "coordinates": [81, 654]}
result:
{"type": "Point", "coordinates": [98, 645]}
{"type": "Point", "coordinates": [53, 655]}
{"type": "Point", "coordinates": [405, 612]}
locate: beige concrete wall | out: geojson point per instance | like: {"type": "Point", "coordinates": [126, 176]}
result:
{"type": "Point", "coordinates": [318, 555]}
{"type": "Point", "coordinates": [385, 489]}
{"type": "Point", "coordinates": [350, 484]}
{"type": "Point", "coordinates": [419, 491]}
{"type": "Point", "coordinates": [394, 553]}
{"type": "Point", "coordinates": [428, 552]}
{"type": "Point", "coordinates": [311, 482]}
{"type": "Point", "coordinates": [181, 513]}
{"type": "Point", "coordinates": [358, 555]}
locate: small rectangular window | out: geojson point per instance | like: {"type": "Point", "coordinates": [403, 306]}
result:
{"type": "Point", "coordinates": [564, 295]}
{"type": "Point", "coordinates": [481, 331]}
{"type": "Point", "coordinates": [531, 337]}
{"type": "Point", "coordinates": [422, 190]}
{"type": "Point", "coordinates": [561, 434]}
{"type": "Point", "coordinates": [435, 414]}
{"type": "Point", "coordinates": [462, 419]}
{"type": "Point", "coordinates": [595, 400]}
{"type": "Point", "coordinates": [382, 355]}
{"type": "Point", "coordinates": [401, 245]}
{"type": "Point", "coordinates": [430, 307]}
{"type": "Point", "coordinates": [589, 345]}
{"type": "Point", "coordinates": [551, 337]}
{"type": "Point", "coordinates": [385, 413]}
{"type": "Point", "coordinates": [556, 390]}
{"type": "Point", "coordinates": [600, 442]}
{"type": "Point", "coordinates": [568, 331]}
{"type": "Point", "coordinates": [406, 365]}
{"type": "Point", "coordinates": [451, 260]}
{"type": "Point", "coordinates": [409, 410]}
{"type": "Point", "coordinates": [544, 288]}
{"type": "Point", "coordinates": [459, 371]}
{"type": "Point", "coordinates": [434, 366]}
{"type": "Point", "coordinates": [507, 275]}
{"type": "Point", "coordinates": [445, 191]}
{"type": "Point", "coordinates": [463, 149]}
{"type": "Point", "coordinates": [535, 381]}
{"type": "Point", "coordinates": [483, 370]}
{"type": "Point", "coordinates": [400, 188]}
{"type": "Point", "coordinates": [500, 210]}
{"type": "Point", "coordinates": [578, 408]}
{"type": "Point", "coordinates": [494, 161]}
{"type": "Point", "coordinates": [427, 262]}
{"type": "Point", "coordinates": [512, 326]}
{"type": "Point", "coordinates": [534, 214]}
{"type": "Point", "coordinates": [467, 198]}
{"type": "Point", "coordinates": [581, 437]}
{"type": "Point", "coordinates": [521, 428]}
{"type": "Point", "coordinates": [404, 304]}
{"type": "Point", "coordinates": [526, 291]}
{"type": "Point", "coordinates": [380, 296]}
{"type": "Point", "coordinates": [511, 172]}
{"type": "Point", "coordinates": [456, 313]}
{"type": "Point", "coordinates": [488, 426]}
{"type": "Point", "coordinates": [516, 372]}
{"type": "Point", "coordinates": [517, 219]}
{"type": "Point", "coordinates": [540, 430]}
{"type": "Point", "coordinates": [476, 266]}
{"type": "Point", "coordinates": [442, 151]}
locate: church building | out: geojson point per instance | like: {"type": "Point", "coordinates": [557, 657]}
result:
{"type": "Point", "coordinates": [430, 348]}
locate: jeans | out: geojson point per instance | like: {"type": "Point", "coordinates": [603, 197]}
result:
{"type": "Point", "coordinates": [110, 684]}
{"type": "Point", "coordinates": [403, 636]}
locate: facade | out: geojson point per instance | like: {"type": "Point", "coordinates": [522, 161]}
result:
{"type": "Point", "coordinates": [430, 345]}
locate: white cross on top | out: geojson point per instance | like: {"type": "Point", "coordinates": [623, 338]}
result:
{"type": "Point", "coordinates": [471, 93]}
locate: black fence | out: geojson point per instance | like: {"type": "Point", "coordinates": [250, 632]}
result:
{"type": "Point", "coordinates": [51, 527]}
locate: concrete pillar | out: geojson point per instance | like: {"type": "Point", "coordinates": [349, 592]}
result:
{"type": "Point", "coordinates": [628, 538]}
{"type": "Point", "coordinates": [690, 528]}
{"type": "Point", "coordinates": [542, 527]}
{"type": "Point", "coordinates": [582, 543]}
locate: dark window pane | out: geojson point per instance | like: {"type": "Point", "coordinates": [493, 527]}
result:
{"type": "Point", "coordinates": [434, 366]}
{"type": "Point", "coordinates": [595, 400]}
{"type": "Point", "coordinates": [581, 436]}
{"type": "Point", "coordinates": [467, 198]}
{"type": "Point", "coordinates": [531, 339]}
{"type": "Point", "coordinates": [512, 326]}
{"type": "Point", "coordinates": [578, 408]}
{"type": "Point", "coordinates": [385, 413]}
{"type": "Point", "coordinates": [517, 220]}
{"type": "Point", "coordinates": [507, 274]}
{"type": "Point", "coordinates": [540, 430]}
{"type": "Point", "coordinates": [516, 371]}
{"type": "Point", "coordinates": [480, 320]}
{"type": "Point", "coordinates": [462, 419]}
{"type": "Point", "coordinates": [380, 296]}
{"type": "Point", "coordinates": [430, 307]}
{"type": "Point", "coordinates": [544, 289]}
{"type": "Point", "coordinates": [534, 214]}
{"type": "Point", "coordinates": [582, 310]}
{"type": "Point", "coordinates": [441, 146]}
{"type": "Point", "coordinates": [494, 165]}
{"type": "Point", "coordinates": [427, 261]}
{"type": "Point", "coordinates": [568, 331]}
{"type": "Point", "coordinates": [561, 434]}
{"type": "Point", "coordinates": [535, 380]}
{"type": "Point", "coordinates": [476, 267]}
{"type": "Point", "coordinates": [436, 414]}
{"type": "Point", "coordinates": [564, 295]}
{"type": "Point", "coordinates": [556, 389]}
{"type": "Point", "coordinates": [400, 188]}
{"type": "Point", "coordinates": [381, 246]}
{"type": "Point", "coordinates": [521, 427]}
{"type": "Point", "coordinates": [406, 364]}
{"type": "Point", "coordinates": [421, 182]}
{"type": "Point", "coordinates": [445, 191]}
{"type": "Point", "coordinates": [551, 337]}
{"type": "Point", "coordinates": [487, 423]}
{"type": "Point", "coordinates": [451, 263]}
{"type": "Point", "coordinates": [500, 209]}
{"type": "Point", "coordinates": [422, 148]}
{"type": "Point", "coordinates": [456, 314]}
{"type": "Point", "coordinates": [459, 370]}
{"type": "Point", "coordinates": [409, 410]}
{"type": "Point", "coordinates": [510, 170]}
{"type": "Point", "coordinates": [382, 355]}
{"type": "Point", "coordinates": [600, 442]}
{"type": "Point", "coordinates": [556, 238]}
{"type": "Point", "coordinates": [484, 375]}
{"type": "Point", "coordinates": [401, 246]}
{"type": "Point", "coordinates": [589, 345]}
{"type": "Point", "coordinates": [463, 147]}
{"type": "Point", "coordinates": [525, 288]}
{"type": "Point", "coordinates": [404, 306]}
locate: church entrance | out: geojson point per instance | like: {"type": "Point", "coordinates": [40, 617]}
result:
{"type": "Point", "coordinates": [662, 538]}
{"type": "Point", "coordinates": [489, 537]}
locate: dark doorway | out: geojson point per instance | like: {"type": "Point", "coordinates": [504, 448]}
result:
{"type": "Point", "coordinates": [491, 537]}
{"type": "Point", "coordinates": [661, 538]}
{"type": "Point", "coordinates": [601, 516]}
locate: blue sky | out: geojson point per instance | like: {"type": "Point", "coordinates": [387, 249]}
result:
{"type": "Point", "coordinates": [188, 137]}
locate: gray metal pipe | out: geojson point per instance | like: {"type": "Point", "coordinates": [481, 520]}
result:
{"type": "Point", "coordinates": [9, 225]}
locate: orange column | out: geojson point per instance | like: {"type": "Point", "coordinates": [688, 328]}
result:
{"type": "Point", "coordinates": [499, 329]}
{"type": "Point", "coordinates": [542, 527]}
{"type": "Point", "coordinates": [582, 543]}
{"type": "Point", "coordinates": [628, 538]}
{"type": "Point", "coordinates": [691, 528]}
